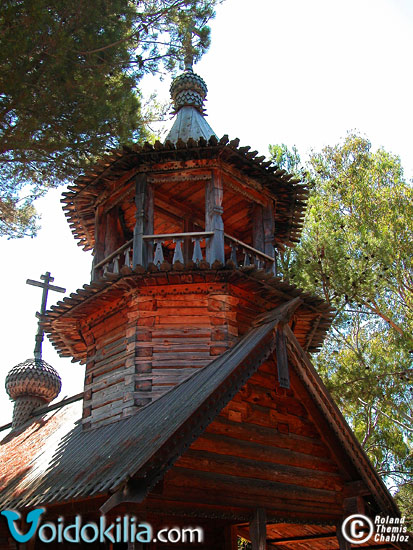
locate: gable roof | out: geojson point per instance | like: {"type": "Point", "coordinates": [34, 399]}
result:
{"type": "Point", "coordinates": [60, 461]}
{"type": "Point", "coordinates": [88, 463]}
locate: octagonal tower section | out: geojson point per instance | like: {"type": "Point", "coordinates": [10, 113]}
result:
{"type": "Point", "coordinates": [185, 237]}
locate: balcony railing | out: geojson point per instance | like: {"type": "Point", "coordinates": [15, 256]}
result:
{"type": "Point", "coordinates": [243, 254]}
{"type": "Point", "coordinates": [168, 249]}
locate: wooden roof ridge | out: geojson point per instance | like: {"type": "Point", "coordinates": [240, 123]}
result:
{"type": "Point", "coordinates": [121, 450]}
{"type": "Point", "coordinates": [128, 157]}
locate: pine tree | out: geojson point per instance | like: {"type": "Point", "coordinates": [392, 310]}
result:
{"type": "Point", "coordinates": [356, 252]}
{"type": "Point", "coordinates": [69, 77]}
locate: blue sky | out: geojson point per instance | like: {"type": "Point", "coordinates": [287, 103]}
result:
{"type": "Point", "coordinates": [296, 72]}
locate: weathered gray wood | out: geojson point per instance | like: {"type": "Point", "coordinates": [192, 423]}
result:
{"type": "Point", "coordinates": [188, 227]}
{"type": "Point", "coordinates": [343, 544]}
{"type": "Point", "coordinates": [233, 256]}
{"type": "Point", "coordinates": [268, 224]}
{"type": "Point", "coordinates": [197, 254]}
{"type": "Point", "coordinates": [263, 232]}
{"type": "Point", "coordinates": [99, 248]}
{"type": "Point", "coordinates": [133, 491]}
{"type": "Point", "coordinates": [282, 359]}
{"type": "Point", "coordinates": [117, 252]}
{"type": "Point", "coordinates": [258, 530]}
{"type": "Point", "coordinates": [159, 257]}
{"type": "Point", "coordinates": [166, 236]}
{"type": "Point", "coordinates": [143, 250]}
{"type": "Point", "coordinates": [258, 227]}
{"type": "Point", "coordinates": [178, 256]}
{"type": "Point", "coordinates": [213, 219]}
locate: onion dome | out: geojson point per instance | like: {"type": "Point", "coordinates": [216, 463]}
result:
{"type": "Point", "coordinates": [188, 92]}
{"type": "Point", "coordinates": [31, 384]}
{"type": "Point", "coordinates": [188, 89]}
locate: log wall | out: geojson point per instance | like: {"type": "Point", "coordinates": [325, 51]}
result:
{"type": "Point", "coordinates": [262, 450]}
{"type": "Point", "coordinates": [155, 338]}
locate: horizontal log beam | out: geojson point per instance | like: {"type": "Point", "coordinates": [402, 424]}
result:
{"type": "Point", "coordinates": [191, 479]}
{"type": "Point", "coordinates": [180, 235]}
{"type": "Point", "coordinates": [303, 538]}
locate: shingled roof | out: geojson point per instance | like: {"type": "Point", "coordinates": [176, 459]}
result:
{"type": "Point", "coordinates": [291, 194]}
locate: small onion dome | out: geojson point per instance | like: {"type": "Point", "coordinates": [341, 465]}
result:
{"type": "Point", "coordinates": [33, 378]}
{"type": "Point", "coordinates": [188, 89]}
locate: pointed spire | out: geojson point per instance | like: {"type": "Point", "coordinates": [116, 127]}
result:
{"type": "Point", "coordinates": [188, 92]}
{"type": "Point", "coordinates": [188, 89]}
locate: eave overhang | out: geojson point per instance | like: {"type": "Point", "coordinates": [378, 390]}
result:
{"type": "Point", "coordinates": [62, 322]}
{"type": "Point", "coordinates": [288, 191]}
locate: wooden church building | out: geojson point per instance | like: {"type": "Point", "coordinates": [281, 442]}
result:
{"type": "Point", "coordinates": [200, 406]}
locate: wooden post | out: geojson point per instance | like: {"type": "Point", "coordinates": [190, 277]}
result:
{"type": "Point", "coordinates": [282, 358]}
{"type": "Point", "coordinates": [187, 243]}
{"type": "Point", "coordinates": [100, 234]}
{"type": "Point", "coordinates": [114, 235]}
{"type": "Point", "coordinates": [351, 505]}
{"type": "Point", "coordinates": [230, 537]}
{"type": "Point", "coordinates": [258, 227]}
{"type": "Point", "coordinates": [343, 544]}
{"type": "Point", "coordinates": [213, 219]}
{"type": "Point", "coordinates": [143, 251]}
{"type": "Point", "coordinates": [269, 236]}
{"type": "Point", "coordinates": [263, 231]}
{"type": "Point", "coordinates": [354, 505]}
{"type": "Point", "coordinates": [258, 530]}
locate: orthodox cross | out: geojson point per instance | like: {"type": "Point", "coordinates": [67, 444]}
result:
{"type": "Point", "coordinates": [46, 286]}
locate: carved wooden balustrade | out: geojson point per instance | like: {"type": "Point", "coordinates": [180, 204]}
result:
{"type": "Point", "coordinates": [168, 249]}
{"type": "Point", "coordinates": [243, 255]}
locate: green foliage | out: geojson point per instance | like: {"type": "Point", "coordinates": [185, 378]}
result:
{"type": "Point", "coordinates": [404, 499]}
{"type": "Point", "coordinates": [356, 253]}
{"type": "Point", "coordinates": [288, 160]}
{"type": "Point", "coordinates": [243, 544]}
{"type": "Point", "coordinates": [69, 72]}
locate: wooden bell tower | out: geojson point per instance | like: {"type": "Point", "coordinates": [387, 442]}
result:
{"type": "Point", "coordinates": [188, 220]}
{"type": "Point", "coordinates": [200, 405]}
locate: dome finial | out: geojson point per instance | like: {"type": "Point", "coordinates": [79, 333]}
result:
{"type": "Point", "coordinates": [34, 383]}
{"type": "Point", "coordinates": [188, 89]}
{"type": "Point", "coordinates": [188, 92]}
{"type": "Point", "coordinates": [30, 385]}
